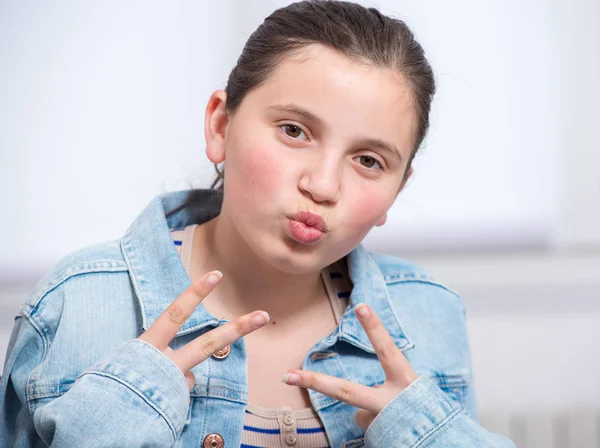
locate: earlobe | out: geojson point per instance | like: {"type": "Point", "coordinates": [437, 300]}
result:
{"type": "Point", "coordinates": [381, 221]}
{"type": "Point", "coordinates": [216, 122]}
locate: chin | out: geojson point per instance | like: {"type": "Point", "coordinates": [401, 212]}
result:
{"type": "Point", "coordinates": [293, 258]}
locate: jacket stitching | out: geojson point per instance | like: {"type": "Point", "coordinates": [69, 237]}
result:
{"type": "Point", "coordinates": [139, 393]}
{"type": "Point", "coordinates": [42, 335]}
{"type": "Point", "coordinates": [29, 311]}
{"type": "Point", "coordinates": [72, 271]}
{"type": "Point", "coordinates": [433, 430]}
{"type": "Point", "coordinates": [58, 390]}
{"type": "Point", "coordinates": [409, 344]}
{"type": "Point", "coordinates": [218, 391]}
{"type": "Point", "coordinates": [124, 248]}
{"type": "Point", "coordinates": [423, 280]}
{"type": "Point", "coordinates": [408, 275]}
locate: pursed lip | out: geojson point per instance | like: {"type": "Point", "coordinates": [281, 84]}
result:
{"type": "Point", "coordinates": [310, 219]}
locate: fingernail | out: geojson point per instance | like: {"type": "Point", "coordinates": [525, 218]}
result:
{"type": "Point", "coordinates": [291, 378]}
{"type": "Point", "coordinates": [260, 319]}
{"type": "Point", "coordinates": [362, 310]}
{"type": "Point", "coordinates": [214, 278]}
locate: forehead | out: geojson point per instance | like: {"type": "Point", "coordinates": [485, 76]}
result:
{"type": "Point", "coordinates": [369, 100]}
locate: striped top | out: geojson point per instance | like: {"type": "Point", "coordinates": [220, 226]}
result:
{"type": "Point", "coordinates": [282, 427]}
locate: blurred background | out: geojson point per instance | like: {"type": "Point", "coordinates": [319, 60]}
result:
{"type": "Point", "coordinates": [102, 108]}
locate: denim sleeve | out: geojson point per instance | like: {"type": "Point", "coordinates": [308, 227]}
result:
{"type": "Point", "coordinates": [25, 351]}
{"type": "Point", "coordinates": [423, 415]}
{"type": "Point", "coordinates": [135, 397]}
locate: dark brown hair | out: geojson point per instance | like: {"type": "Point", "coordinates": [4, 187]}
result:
{"type": "Point", "coordinates": [362, 34]}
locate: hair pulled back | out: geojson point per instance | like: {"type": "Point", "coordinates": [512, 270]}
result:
{"type": "Point", "coordinates": [361, 34]}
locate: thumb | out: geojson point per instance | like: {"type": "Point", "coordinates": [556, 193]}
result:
{"type": "Point", "coordinates": [364, 418]}
{"type": "Point", "coordinates": [190, 379]}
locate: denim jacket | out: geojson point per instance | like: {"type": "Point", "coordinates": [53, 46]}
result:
{"type": "Point", "coordinates": [76, 376]}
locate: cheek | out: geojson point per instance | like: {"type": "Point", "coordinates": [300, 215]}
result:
{"type": "Point", "coordinates": [258, 168]}
{"type": "Point", "coordinates": [369, 205]}
{"type": "Point", "coordinates": [371, 210]}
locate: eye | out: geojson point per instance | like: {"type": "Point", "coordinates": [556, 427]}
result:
{"type": "Point", "coordinates": [369, 161]}
{"type": "Point", "coordinates": [293, 131]}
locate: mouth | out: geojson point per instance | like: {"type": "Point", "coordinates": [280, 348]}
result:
{"type": "Point", "coordinates": [307, 227]}
{"type": "Point", "coordinates": [310, 219]}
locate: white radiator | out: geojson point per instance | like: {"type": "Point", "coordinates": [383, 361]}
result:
{"type": "Point", "coordinates": [573, 429]}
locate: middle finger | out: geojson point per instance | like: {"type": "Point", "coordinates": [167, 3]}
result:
{"type": "Point", "coordinates": [394, 363]}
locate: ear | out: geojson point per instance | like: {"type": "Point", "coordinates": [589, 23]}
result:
{"type": "Point", "coordinates": [383, 219]}
{"type": "Point", "coordinates": [216, 122]}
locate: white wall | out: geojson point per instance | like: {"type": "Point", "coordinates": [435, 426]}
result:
{"type": "Point", "coordinates": [102, 108]}
{"type": "Point", "coordinates": [578, 46]}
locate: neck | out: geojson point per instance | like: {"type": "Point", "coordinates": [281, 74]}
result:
{"type": "Point", "coordinates": [248, 282]}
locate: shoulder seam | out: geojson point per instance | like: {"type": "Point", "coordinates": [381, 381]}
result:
{"type": "Point", "coordinates": [66, 274]}
{"type": "Point", "coordinates": [418, 279]}
{"type": "Point", "coordinates": [45, 343]}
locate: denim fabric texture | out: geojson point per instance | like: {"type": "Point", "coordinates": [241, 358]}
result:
{"type": "Point", "coordinates": [76, 376]}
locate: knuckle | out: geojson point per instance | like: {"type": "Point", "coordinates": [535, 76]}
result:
{"type": "Point", "coordinates": [176, 314]}
{"type": "Point", "coordinates": [375, 325]}
{"type": "Point", "coordinates": [198, 290]}
{"type": "Point", "coordinates": [309, 380]}
{"type": "Point", "coordinates": [208, 346]}
{"type": "Point", "coordinates": [239, 327]}
{"type": "Point", "coordinates": [345, 392]}
{"type": "Point", "coordinates": [388, 350]}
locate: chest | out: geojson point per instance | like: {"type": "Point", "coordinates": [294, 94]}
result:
{"type": "Point", "coordinates": [273, 352]}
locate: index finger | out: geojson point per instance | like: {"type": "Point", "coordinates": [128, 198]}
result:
{"type": "Point", "coordinates": [394, 363]}
{"type": "Point", "coordinates": [166, 326]}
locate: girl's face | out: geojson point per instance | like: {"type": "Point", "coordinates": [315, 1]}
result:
{"type": "Point", "coordinates": [322, 134]}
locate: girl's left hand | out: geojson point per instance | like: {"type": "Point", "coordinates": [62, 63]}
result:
{"type": "Point", "coordinates": [371, 400]}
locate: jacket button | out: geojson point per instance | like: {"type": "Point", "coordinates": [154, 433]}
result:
{"type": "Point", "coordinates": [291, 439]}
{"type": "Point", "coordinates": [213, 441]}
{"type": "Point", "coordinates": [223, 353]}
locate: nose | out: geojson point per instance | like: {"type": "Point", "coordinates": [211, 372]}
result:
{"type": "Point", "coordinates": [322, 182]}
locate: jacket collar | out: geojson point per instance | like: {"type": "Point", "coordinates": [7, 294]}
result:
{"type": "Point", "coordinates": [158, 276]}
{"type": "Point", "coordinates": [369, 287]}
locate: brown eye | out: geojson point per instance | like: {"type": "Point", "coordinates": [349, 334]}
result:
{"type": "Point", "coordinates": [292, 131]}
{"type": "Point", "coordinates": [368, 161]}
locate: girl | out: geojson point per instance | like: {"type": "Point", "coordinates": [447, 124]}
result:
{"type": "Point", "coordinates": [178, 334]}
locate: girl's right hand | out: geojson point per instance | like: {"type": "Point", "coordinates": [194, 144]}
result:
{"type": "Point", "coordinates": [166, 326]}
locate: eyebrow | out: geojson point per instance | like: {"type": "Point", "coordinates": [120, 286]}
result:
{"type": "Point", "coordinates": [391, 149]}
{"type": "Point", "coordinates": [296, 110]}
